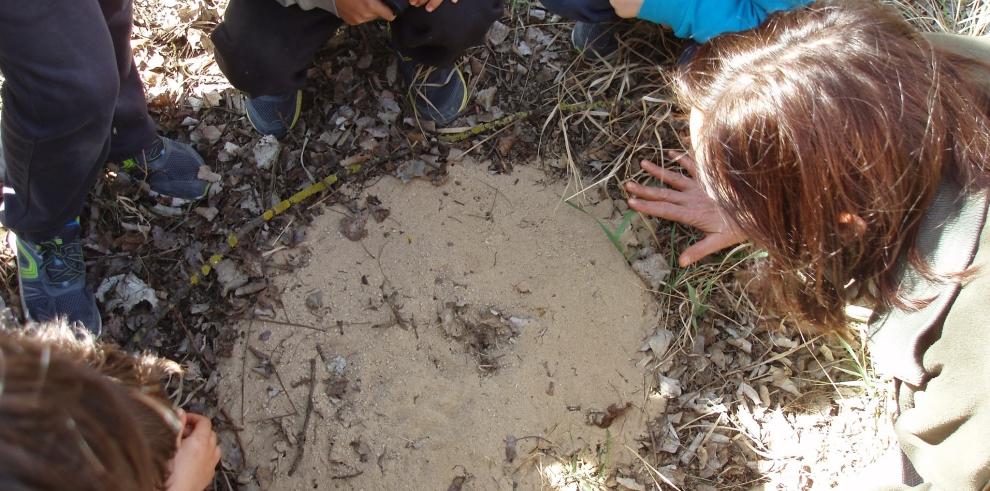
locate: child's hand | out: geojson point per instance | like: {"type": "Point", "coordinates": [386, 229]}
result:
{"type": "Point", "coordinates": [627, 9]}
{"type": "Point", "coordinates": [685, 202]}
{"type": "Point", "coordinates": [196, 459]}
{"type": "Point", "coordinates": [431, 5]}
{"type": "Point", "coordinates": [355, 12]}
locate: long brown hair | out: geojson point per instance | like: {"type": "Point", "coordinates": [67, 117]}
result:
{"type": "Point", "coordinates": [825, 119]}
{"type": "Point", "coordinates": [80, 415]}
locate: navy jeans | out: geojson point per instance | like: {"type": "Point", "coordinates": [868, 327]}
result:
{"type": "Point", "coordinates": [72, 99]}
{"type": "Point", "coordinates": [592, 11]}
{"type": "Point", "coordinates": [264, 48]}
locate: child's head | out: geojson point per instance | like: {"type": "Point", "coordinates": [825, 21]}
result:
{"type": "Point", "coordinates": [75, 414]}
{"type": "Point", "coordinates": [825, 134]}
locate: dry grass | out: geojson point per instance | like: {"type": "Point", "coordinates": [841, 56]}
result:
{"type": "Point", "coordinates": [971, 17]}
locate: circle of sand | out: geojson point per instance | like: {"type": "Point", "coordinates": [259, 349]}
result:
{"type": "Point", "coordinates": [411, 408]}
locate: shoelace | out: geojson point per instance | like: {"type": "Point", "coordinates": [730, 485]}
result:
{"type": "Point", "coordinates": [62, 261]}
{"type": "Point", "coordinates": [139, 163]}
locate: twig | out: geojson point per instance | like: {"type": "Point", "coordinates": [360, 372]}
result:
{"type": "Point", "coordinates": [292, 324]}
{"type": "Point", "coordinates": [244, 365]}
{"type": "Point", "coordinates": [509, 119]}
{"type": "Point", "coordinates": [267, 359]}
{"type": "Point", "coordinates": [653, 469]}
{"type": "Point", "coordinates": [301, 436]}
{"type": "Point", "coordinates": [302, 158]}
{"type": "Point", "coordinates": [237, 436]}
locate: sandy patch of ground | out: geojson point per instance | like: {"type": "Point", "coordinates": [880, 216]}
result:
{"type": "Point", "coordinates": [474, 337]}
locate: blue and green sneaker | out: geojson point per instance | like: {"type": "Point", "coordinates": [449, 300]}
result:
{"type": "Point", "coordinates": [274, 114]}
{"type": "Point", "coordinates": [595, 40]}
{"type": "Point", "coordinates": [171, 168]}
{"type": "Point", "coordinates": [438, 94]}
{"type": "Point", "coordinates": [52, 278]}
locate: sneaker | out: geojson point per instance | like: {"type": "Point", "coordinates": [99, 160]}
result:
{"type": "Point", "coordinates": [595, 40]}
{"type": "Point", "coordinates": [171, 168]}
{"type": "Point", "coordinates": [274, 114]}
{"type": "Point", "coordinates": [436, 94]}
{"type": "Point", "coordinates": [52, 278]}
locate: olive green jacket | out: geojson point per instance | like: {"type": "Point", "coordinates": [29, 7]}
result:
{"type": "Point", "coordinates": [940, 353]}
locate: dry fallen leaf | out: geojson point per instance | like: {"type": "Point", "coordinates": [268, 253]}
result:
{"type": "Point", "coordinates": [652, 269]}
{"type": "Point", "coordinates": [378, 212]}
{"type": "Point", "coordinates": [230, 276]}
{"type": "Point", "coordinates": [630, 483]}
{"type": "Point", "coordinates": [510, 448]}
{"type": "Point", "coordinates": [266, 152]}
{"type": "Point", "coordinates": [605, 419]}
{"type": "Point", "coordinates": [354, 227]}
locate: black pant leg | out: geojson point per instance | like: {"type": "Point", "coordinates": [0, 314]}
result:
{"type": "Point", "coordinates": [58, 104]}
{"type": "Point", "coordinates": [264, 48]}
{"type": "Point", "coordinates": [438, 38]}
{"type": "Point", "coordinates": [593, 11]}
{"type": "Point", "coordinates": [133, 128]}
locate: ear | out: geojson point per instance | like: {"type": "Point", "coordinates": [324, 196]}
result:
{"type": "Point", "coordinates": [851, 226]}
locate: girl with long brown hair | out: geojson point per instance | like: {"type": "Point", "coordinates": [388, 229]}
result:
{"type": "Point", "coordinates": [77, 414]}
{"type": "Point", "coordinates": [856, 152]}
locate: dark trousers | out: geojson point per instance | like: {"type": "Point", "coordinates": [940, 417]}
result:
{"type": "Point", "coordinates": [265, 48]}
{"type": "Point", "coordinates": [593, 11]}
{"type": "Point", "coordinates": [72, 99]}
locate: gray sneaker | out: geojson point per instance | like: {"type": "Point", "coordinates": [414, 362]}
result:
{"type": "Point", "coordinates": [171, 168]}
{"type": "Point", "coordinates": [595, 40]}
{"type": "Point", "coordinates": [52, 278]}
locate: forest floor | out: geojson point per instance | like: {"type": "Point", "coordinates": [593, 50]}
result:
{"type": "Point", "coordinates": [467, 308]}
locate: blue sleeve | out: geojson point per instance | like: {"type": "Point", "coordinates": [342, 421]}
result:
{"type": "Point", "coordinates": [702, 20]}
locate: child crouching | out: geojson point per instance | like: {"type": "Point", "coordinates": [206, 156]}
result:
{"type": "Point", "coordinates": [77, 414]}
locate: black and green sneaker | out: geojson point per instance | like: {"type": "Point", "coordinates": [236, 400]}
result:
{"type": "Point", "coordinates": [171, 168]}
{"type": "Point", "coordinates": [437, 94]}
{"type": "Point", "coordinates": [52, 279]}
